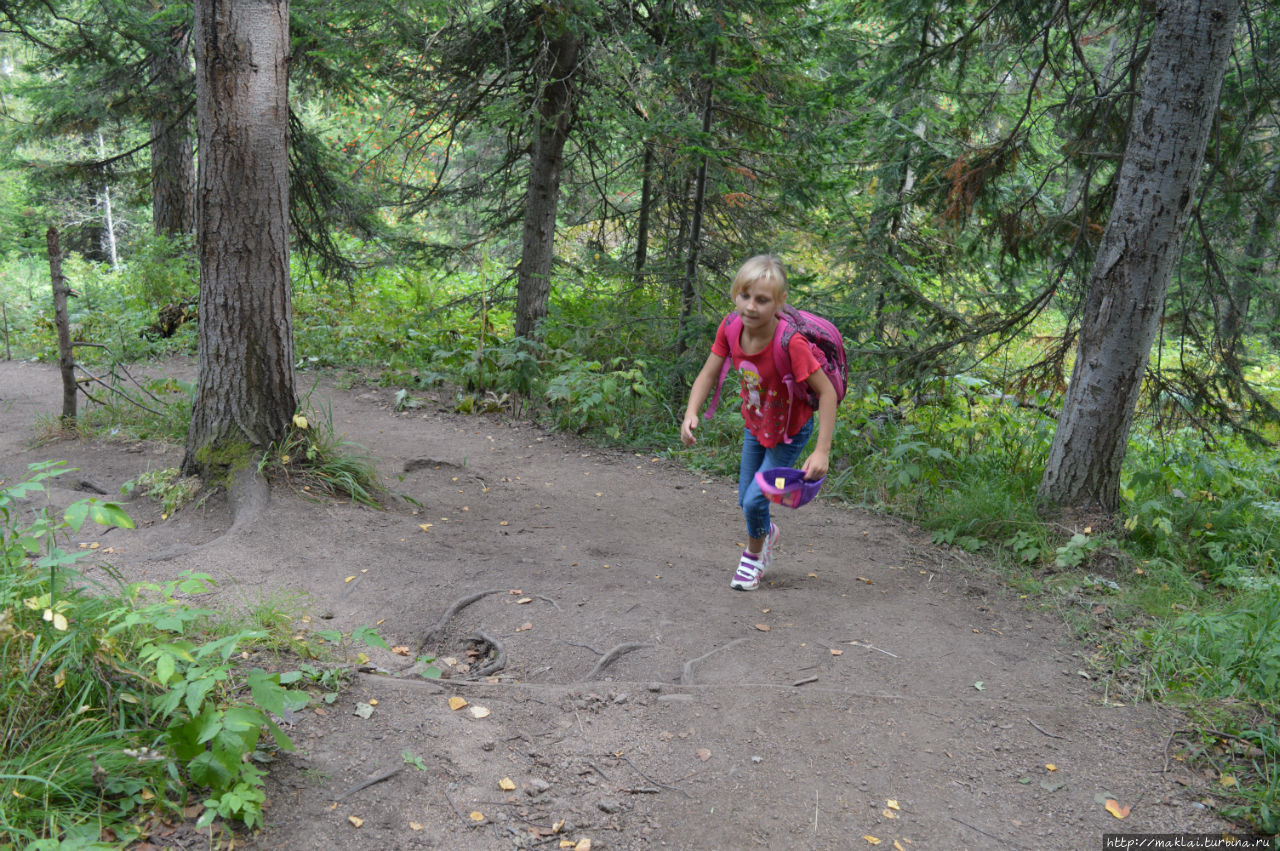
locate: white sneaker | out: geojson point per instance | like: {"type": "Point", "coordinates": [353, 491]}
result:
{"type": "Point", "coordinates": [750, 570]}
{"type": "Point", "coordinates": [766, 552]}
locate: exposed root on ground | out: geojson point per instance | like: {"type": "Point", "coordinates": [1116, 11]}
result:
{"type": "Point", "coordinates": [249, 497]}
{"type": "Point", "coordinates": [499, 653]}
{"type": "Point", "coordinates": [612, 656]}
{"type": "Point", "coordinates": [686, 676]}
{"type": "Point", "coordinates": [458, 605]}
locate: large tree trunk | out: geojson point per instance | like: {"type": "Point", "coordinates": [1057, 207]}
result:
{"type": "Point", "coordinates": [245, 394]}
{"type": "Point", "coordinates": [172, 166]}
{"type": "Point", "coordinates": [555, 114]}
{"type": "Point", "coordinates": [1154, 191]}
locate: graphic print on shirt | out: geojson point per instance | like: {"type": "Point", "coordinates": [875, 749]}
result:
{"type": "Point", "coordinates": [751, 385]}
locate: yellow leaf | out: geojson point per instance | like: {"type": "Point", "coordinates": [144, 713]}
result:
{"type": "Point", "coordinates": [424, 526]}
{"type": "Point", "coordinates": [413, 825]}
{"type": "Point", "coordinates": [583, 844]}
{"type": "Point", "coordinates": [400, 650]}
{"type": "Point", "coordinates": [1227, 780]}
{"type": "Point", "coordinates": [479, 712]}
{"type": "Point", "coordinates": [349, 578]}
{"type": "Point", "coordinates": [60, 621]}
{"type": "Point", "coordinates": [59, 679]}
{"type": "Point", "coordinates": [871, 839]}
{"type": "Point", "coordinates": [898, 846]}
{"type": "Point", "coordinates": [373, 701]}
{"type": "Point", "coordinates": [301, 422]}
{"type": "Point", "coordinates": [456, 703]}
{"type": "Point", "coordinates": [506, 784]}
{"type": "Point", "coordinates": [888, 813]}
{"type": "Point", "coordinates": [147, 795]}
{"type": "Point", "coordinates": [835, 652]}
{"type": "Point", "coordinates": [763, 627]}
{"type": "Point", "coordinates": [356, 821]}
{"type": "Point", "coordinates": [504, 523]}
{"type": "Point", "coordinates": [476, 815]}
{"type": "Point", "coordinates": [892, 804]}
{"type": "Point", "coordinates": [1115, 809]}
{"type": "Point", "coordinates": [524, 601]}
{"type": "Point", "coordinates": [1050, 766]}
{"type": "Point", "coordinates": [558, 826]}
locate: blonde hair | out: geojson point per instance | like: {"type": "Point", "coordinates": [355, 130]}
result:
{"type": "Point", "coordinates": [762, 267]}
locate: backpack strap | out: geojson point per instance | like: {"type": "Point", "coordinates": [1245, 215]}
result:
{"type": "Point", "coordinates": [782, 362]}
{"type": "Point", "coordinates": [732, 323]}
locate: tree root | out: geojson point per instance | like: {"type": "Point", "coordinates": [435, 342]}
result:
{"type": "Point", "coordinates": [364, 784]}
{"type": "Point", "coordinates": [249, 496]}
{"type": "Point", "coordinates": [686, 676]}
{"type": "Point", "coordinates": [612, 656]}
{"type": "Point", "coordinates": [499, 654]}
{"type": "Point", "coordinates": [458, 605]}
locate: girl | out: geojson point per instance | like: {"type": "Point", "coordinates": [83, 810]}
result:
{"type": "Point", "coordinates": [759, 290]}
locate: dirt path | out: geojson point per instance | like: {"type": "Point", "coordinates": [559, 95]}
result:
{"type": "Point", "coordinates": [642, 702]}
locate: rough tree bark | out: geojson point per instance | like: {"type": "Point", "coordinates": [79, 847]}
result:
{"type": "Point", "coordinates": [555, 116]}
{"type": "Point", "coordinates": [172, 166]}
{"type": "Point", "coordinates": [245, 395]}
{"type": "Point", "coordinates": [1187, 60]}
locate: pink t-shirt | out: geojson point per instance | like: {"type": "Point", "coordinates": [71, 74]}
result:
{"type": "Point", "coordinates": [764, 396]}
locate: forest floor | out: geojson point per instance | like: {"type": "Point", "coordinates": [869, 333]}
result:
{"type": "Point", "coordinates": [877, 690]}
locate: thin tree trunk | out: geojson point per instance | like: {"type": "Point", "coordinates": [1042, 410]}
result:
{"type": "Point", "coordinates": [1190, 44]}
{"type": "Point", "coordinates": [66, 357]}
{"type": "Point", "coordinates": [1232, 303]}
{"type": "Point", "coordinates": [108, 214]}
{"type": "Point", "coordinates": [689, 291]}
{"type": "Point", "coordinates": [245, 393]}
{"type": "Point", "coordinates": [646, 201]}
{"type": "Point", "coordinates": [555, 115]}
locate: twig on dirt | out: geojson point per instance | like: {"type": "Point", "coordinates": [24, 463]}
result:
{"type": "Point", "coordinates": [643, 790]}
{"type": "Point", "coordinates": [547, 600]}
{"type": "Point", "coordinates": [624, 758]}
{"type": "Point", "coordinates": [458, 605]}
{"type": "Point", "coordinates": [612, 656]}
{"type": "Point", "coordinates": [499, 654]}
{"type": "Point", "coordinates": [364, 784]}
{"type": "Point", "coordinates": [1043, 730]}
{"type": "Point", "coordinates": [583, 646]}
{"type": "Point", "coordinates": [454, 807]}
{"type": "Point", "coordinates": [871, 647]}
{"type": "Point", "coordinates": [978, 829]}
{"type": "Point", "coordinates": [804, 682]}
{"type": "Point", "coordinates": [686, 676]}
{"type": "Point", "coordinates": [599, 771]}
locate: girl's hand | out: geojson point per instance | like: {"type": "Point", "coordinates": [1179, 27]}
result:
{"type": "Point", "coordinates": [686, 429]}
{"type": "Point", "coordinates": [815, 466]}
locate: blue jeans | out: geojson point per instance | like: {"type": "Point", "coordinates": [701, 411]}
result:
{"type": "Point", "coordinates": [755, 505]}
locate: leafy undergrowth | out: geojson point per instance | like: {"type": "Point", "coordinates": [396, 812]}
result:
{"type": "Point", "coordinates": [124, 709]}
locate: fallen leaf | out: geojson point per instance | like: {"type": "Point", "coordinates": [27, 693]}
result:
{"type": "Point", "coordinates": [524, 627]}
{"type": "Point", "coordinates": [813, 576]}
{"type": "Point", "coordinates": [835, 652]}
{"type": "Point", "coordinates": [583, 844]}
{"type": "Point", "coordinates": [364, 710]}
{"type": "Point", "coordinates": [1049, 766]}
{"type": "Point", "coordinates": [476, 815]}
{"type": "Point", "coordinates": [866, 580]}
{"type": "Point", "coordinates": [763, 627]}
{"type": "Point", "coordinates": [424, 526]}
{"type": "Point", "coordinates": [373, 701]}
{"type": "Point", "coordinates": [897, 845]}
{"type": "Point", "coordinates": [1115, 809]}
{"type": "Point", "coordinates": [504, 523]}
{"type": "Point", "coordinates": [892, 804]}
{"type": "Point", "coordinates": [704, 754]}
{"type": "Point", "coordinates": [524, 601]}
{"type": "Point", "coordinates": [515, 592]}
{"type": "Point", "coordinates": [871, 839]}
{"type": "Point", "coordinates": [506, 784]}
{"type": "Point", "coordinates": [558, 826]}
{"type": "Point", "coordinates": [413, 825]}
{"type": "Point", "coordinates": [401, 650]}
{"type": "Point", "coordinates": [979, 686]}
{"type": "Point", "coordinates": [456, 703]}
{"type": "Point", "coordinates": [479, 712]}
{"type": "Point", "coordinates": [349, 578]}
{"type": "Point", "coordinates": [889, 814]}
{"type": "Point", "coordinates": [356, 821]}
{"type": "Point", "coordinates": [1227, 780]}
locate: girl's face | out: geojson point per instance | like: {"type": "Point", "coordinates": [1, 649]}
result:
{"type": "Point", "coordinates": [758, 304]}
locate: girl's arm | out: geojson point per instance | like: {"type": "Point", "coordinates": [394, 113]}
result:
{"type": "Point", "coordinates": [815, 466]}
{"type": "Point", "coordinates": [698, 393]}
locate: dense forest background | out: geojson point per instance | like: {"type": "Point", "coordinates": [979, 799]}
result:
{"type": "Point", "coordinates": [541, 205]}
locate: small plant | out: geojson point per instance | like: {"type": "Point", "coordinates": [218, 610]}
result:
{"type": "Point", "coordinates": [313, 455]}
{"type": "Point", "coordinates": [587, 395]}
{"type": "Point", "coordinates": [169, 486]}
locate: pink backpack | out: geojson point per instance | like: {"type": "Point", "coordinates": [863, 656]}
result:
{"type": "Point", "coordinates": [824, 340]}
